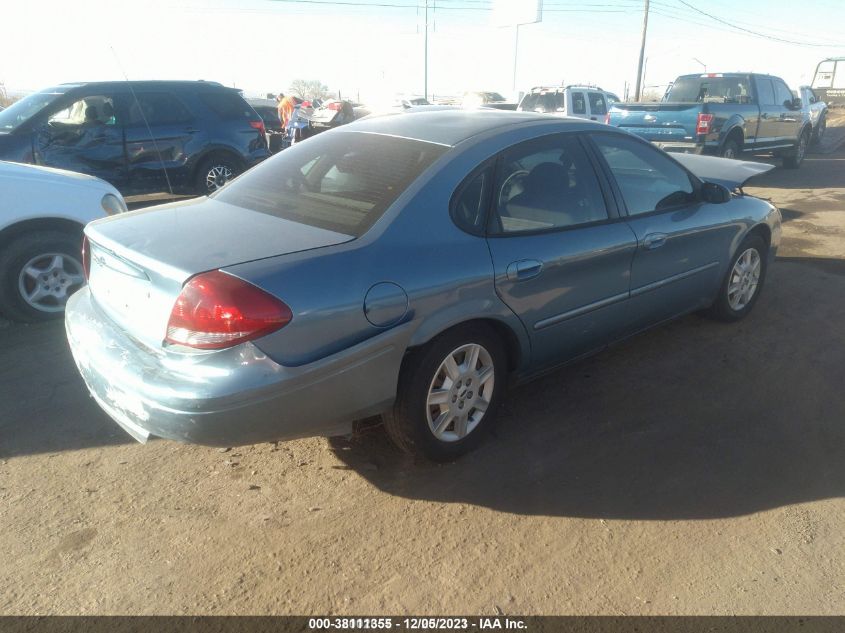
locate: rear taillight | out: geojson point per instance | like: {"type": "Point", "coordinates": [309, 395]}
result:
{"type": "Point", "coordinates": [86, 257]}
{"type": "Point", "coordinates": [336, 105]}
{"type": "Point", "coordinates": [216, 310]}
{"type": "Point", "coordinates": [259, 125]}
{"type": "Point", "coordinates": [306, 104]}
{"type": "Point", "coordinates": [703, 124]}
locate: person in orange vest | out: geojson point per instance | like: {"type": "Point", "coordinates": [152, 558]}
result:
{"type": "Point", "coordinates": [286, 106]}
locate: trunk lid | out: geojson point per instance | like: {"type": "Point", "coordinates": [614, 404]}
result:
{"type": "Point", "coordinates": [140, 260]}
{"type": "Point", "coordinates": [658, 121]}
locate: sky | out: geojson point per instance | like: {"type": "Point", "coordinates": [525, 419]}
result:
{"type": "Point", "coordinates": [374, 51]}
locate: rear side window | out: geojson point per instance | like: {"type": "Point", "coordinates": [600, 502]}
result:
{"type": "Point", "coordinates": [648, 180]}
{"type": "Point", "coordinates": [470, 202]}
{"type": "Point", "coordinates": [339, 182]}
{"type": "Point", "coordinates": [229, 106]}
{"type": "Point", "coordinates": [157, 108]}
{"type": "Point", "coordinates": [579, 105]}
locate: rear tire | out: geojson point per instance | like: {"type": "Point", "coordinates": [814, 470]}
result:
{"type": "Point", "coordinates": [38, 273]}
{"type": "Point", "coordinates": [730, 149]}
{"type": "Point", "coordinates": [214, 172]}
{"type": "Point", "coordinates": [443, 409]}
{"type": "Point", "coordinates": [743, 282]}
{"type": "Point", "coordinates": [795, 157]}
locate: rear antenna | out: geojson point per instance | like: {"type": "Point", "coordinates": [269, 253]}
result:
{"type": "Point", "coordinates": [144, 117]}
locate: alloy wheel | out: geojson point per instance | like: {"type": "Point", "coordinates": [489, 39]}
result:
{"type": "Point", "coordinates": [744, 279]}
{"type": "Point", "coordinates": [218, 176]}
{"type": "Point", "coordinates": [46, 281]}
{"type": "Point", "coordinates": [460, 392]}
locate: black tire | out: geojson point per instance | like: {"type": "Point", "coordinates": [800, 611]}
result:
{"type": "Point", "coordinates": [722, 308]}
{"type": "Point", "coordinates": [407, 423]}
{"type": "Point", "coordinates": [19, 254]}
{"type": "Point", "coordinates": [225, 169]}
{"type": "Point", "coordinates": [730, 149]}
{"type": "Point", "coordinates": [794, 158]}
{"type": "Point", "coordinates": [821, 127]}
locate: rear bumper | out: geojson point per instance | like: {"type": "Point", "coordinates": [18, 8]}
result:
{"type": "Point", "coordinates": [231, 397]}
{"type": "Point", "coordinates": [681, 147]}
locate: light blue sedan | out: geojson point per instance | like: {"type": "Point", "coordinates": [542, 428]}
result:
{"type": "Point", "coordinates": [408, 265]}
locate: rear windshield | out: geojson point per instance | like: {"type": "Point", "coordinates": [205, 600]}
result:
{"type": "Point", "coordinates": [710, 90]}
{"type": "Point", "coordinates": [549, 102]}
{"type": "Point", "coordinates": [341, 182]}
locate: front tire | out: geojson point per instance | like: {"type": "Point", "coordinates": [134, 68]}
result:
{"type": "Point", "coordinates": [794, 158]}
{"type": "Point", "coordinates": [821, 128]}
{"type": "Point", "coordinates": [38, 273]}
{"type": "Point", "coordinates": [744, 281]}
{"type": "Point", "coordinates": [448, 394]}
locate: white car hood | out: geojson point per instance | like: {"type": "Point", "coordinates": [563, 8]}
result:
{"type": "Point", "coordinates": [45, 174]}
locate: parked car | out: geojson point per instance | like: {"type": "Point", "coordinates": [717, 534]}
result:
{"type": "Point", "coordinates": [487, 100]}
{"type": "Point", "coordinates": [727, 114]}
{"type": "Point", "coordinates": [583, 102]}
{"type": "Point", "coordinates": [815, 110]}
{"type": "Point", "coordinates": [141, 136]}
{"type": "Point", "coordinates": [332, 113]}
{"type": "Point", "coordinates": [411, 266]}
{"type": "Point", "coordinates": [829, 81]}
{"type": "Point", "coordinates": [41, 221]}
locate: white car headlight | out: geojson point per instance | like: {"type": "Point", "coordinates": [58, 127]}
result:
{"type": "Point", "coordinates": [113, 204]}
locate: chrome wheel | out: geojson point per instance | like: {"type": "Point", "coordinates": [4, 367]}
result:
{"type": "Point", "coordinates": [460, 393]}
{"type": "Point", "coordinates": [46, 281]}
{"type": "Point", "coordinates": [217, 176]}
{"type": "Point", "coordinates": [744, 279]}
{"type": "Point", "coordinates": [802, 148]}
{"type": "Point", "coordinates": [821, 129]}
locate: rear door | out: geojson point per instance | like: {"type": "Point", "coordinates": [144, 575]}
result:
{"type": "Point", "coordinates": [159, 126]}
{"type": "Point", "coordinates": [682, 243]}
{"type": "Point", "coordinates": [561, 254]}
{"type": "Point", "coordinates": [768, 130]}
{"type": "Point", "coordinates": [578, 105]}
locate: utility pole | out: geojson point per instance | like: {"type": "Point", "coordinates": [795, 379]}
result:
{"type": "Point", "coordinates": [637, 93]}
{"type": "Point", "coordinates": [425, 71]}
{"type": "Point", "coordinates": [515, 53]}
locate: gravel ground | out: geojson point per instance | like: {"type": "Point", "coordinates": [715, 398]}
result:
{"type": "Point", "coordinates": [696, 469]}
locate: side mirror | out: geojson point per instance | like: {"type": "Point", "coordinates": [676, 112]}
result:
{"type": "Point", "coordinates": [794, 104]}
{"type": "Point", "coordinates": [715, 193]}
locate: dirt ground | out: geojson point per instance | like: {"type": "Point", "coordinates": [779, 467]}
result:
{"type": "Point", "coordinates": [696, 469]}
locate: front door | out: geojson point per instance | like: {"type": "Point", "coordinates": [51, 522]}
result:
{"type": "Point", "coordinates": [682, 242]}
{"type": "Point", "coordinates": [83, 135]}
{"type": "Point", "coordinates": [561, 254]}
{"type": "Point", "coordinates": [768, 130]}
{"type": "Point", "coordinates": [598, 106]}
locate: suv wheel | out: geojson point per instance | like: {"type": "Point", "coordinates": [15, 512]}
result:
{"type": "Point", "coordinates": [38, 273]}
{"type": "Point", "coordinates": [214, 173]}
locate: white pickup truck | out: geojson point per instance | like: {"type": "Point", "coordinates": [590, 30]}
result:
{"type": "Point", "coordinates": [583, 102]}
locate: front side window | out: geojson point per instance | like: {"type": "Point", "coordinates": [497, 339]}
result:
{"type": "Point", "coordinates": [649, 180]}
{"type": "Point", "coordinates": [597, 104]}
{"type": "Point", "coordinates": [545, 185]}
{"type": "Point", "coordinates": [766, 91]}
{"type": "Point", "coordinates": [339, 182]}
{"type": "Point", "coordinates": [22, 111]}
{"type": "Point", "coordinates": [157, 108]}
{"type": "Point", "coordinates": [782, 94]}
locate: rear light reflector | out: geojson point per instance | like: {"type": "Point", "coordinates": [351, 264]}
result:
{"type": "Point", "coordinates": [259, 125]}
{"type": "Point", "coordinates": [86, 257]}
{"type": "Point", "coordinates": [336, 105]}
{"type": "Point", "coordinates": [216, 310]}
{"type": "Point", "coordinates": [703, 124]}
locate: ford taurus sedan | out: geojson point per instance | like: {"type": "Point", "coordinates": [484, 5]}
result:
{"type": "Point", "coordinates": [409, 265]}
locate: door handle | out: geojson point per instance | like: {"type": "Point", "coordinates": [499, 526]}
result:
{"type": "Point", "coordinates": [592, 118]}
{"type": "Point", "coordinates": [524, 269]}
{"type": "Point", "coordinates": [654, 240]}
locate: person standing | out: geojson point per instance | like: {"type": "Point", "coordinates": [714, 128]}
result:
{"type": "Point", "coordinates": [286, 106]}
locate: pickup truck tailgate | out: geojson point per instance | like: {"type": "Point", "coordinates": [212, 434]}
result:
{"type": "Point", "coordinates": [658, 122]}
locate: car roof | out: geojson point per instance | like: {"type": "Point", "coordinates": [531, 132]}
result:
{"type": "Point", "coordinates": [145, 85]}
{"type": "Point", "coordinates": [452, 126]}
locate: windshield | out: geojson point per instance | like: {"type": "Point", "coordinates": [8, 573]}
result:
{"type": "Point", "coordinates": [549, 102]}
{"type": "Point", "coordinates": [23, 110]}
{"type": "Point", "coordinates": [339, 182]}
{"type": "Point", "coordinates": [710, 90]}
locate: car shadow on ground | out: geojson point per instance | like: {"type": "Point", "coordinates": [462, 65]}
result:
{"type": "Point", "coordinates": [45, 406]}
{"type": "Point", "coordinates": [693, 420]}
